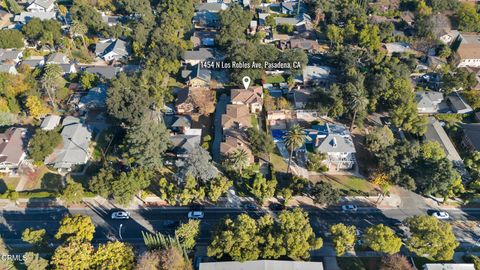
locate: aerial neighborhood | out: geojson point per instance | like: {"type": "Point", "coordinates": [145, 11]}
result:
{"type": "Point", "coordinates": [240, 134]}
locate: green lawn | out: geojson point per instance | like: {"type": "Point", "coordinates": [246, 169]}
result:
{"type": "Point", "coordinates": [254, 121]}
{"type": "Point", "coordinates": [275, 79]}
{"type": "Point", "coordinates": [278, 163]}
{"type": "Point", "coordinates": [348, 185]}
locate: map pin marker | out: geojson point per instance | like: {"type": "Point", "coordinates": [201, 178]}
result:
{"type": "Point", "coordinates": [246, 82]}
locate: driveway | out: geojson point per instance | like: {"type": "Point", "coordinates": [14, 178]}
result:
{"type": "Point", "coordinates": [294, 167]}
{"type": "Point", "coordinates": [220, 109]}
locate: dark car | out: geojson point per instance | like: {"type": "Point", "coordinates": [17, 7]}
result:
{"type": "Point", "coordinates": [276, 207]}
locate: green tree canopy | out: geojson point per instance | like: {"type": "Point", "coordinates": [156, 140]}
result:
{"type": "Point", "coordinates": [381, 238]}
{"type": "Point", "coordinates": [114, 255]}
{"type": "Point", "coordinates": [11, 39]}
{"type": "Point", "coordinates": [34, 237]}
{"type": "Point", "coordinates": [343, 237]}
{"type": "Point", "coordinates": [76, 229]}
{"type": "Point", "coordinates": [187, 233]}
{"type": "Point", "coordinates": [73, 193]}
{"type": "Point", "coordinates": [43, 143]}
{"type": "Point", "coordinates": [431, 238]}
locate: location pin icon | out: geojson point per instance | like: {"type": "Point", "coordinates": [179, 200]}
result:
{"type": "Point", "coordinates": [246, 82]}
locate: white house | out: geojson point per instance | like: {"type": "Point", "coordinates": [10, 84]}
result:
{"type": "Point", "coordinates": [40, 5]}
{"type": "Point", "coordinates": [111, 49]}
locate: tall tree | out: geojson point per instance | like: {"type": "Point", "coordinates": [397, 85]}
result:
{"type": "Point", "coordinates": [395, 262]}
{"type": "Point", "coordinates": [127, 185]}
{"type": "Point", "coordinates": [358, 102]}
{"type": "Point", "coordinates": [431, 238]}
{"type": "Point", "coordinates": [76, 229]}
{"type": "Point", "coordinates": [262, 188]}
{"type": "Point", "coordinates": [294, 139]}
{"type": "Point", "coordinates": [217, 187]}
{"type": "Point", "coordinates": [73, 193]}
{"type": "Point", "coordinates": [187, 234]}
{"type": "Point", "coordinates": [114, 255]}
{"type": "Point", "coordinates": [343, 237]}
{"type": "Point", "coordinates": [52, 81]}
{"type": "Point", "coordinates": [73, 255]}
{"type": "Point", "coordinates": [381, 238]}
{"type": "Point", "coordinates": [42, 144]}
{"type": "Point", "coordinates": [198, 164]}
{"type": "Point", "coordinates": [238, 160]}
{"type": "Point", "coordinates": [146, 142]}
{"type": "Point", "coordinates": [234, 22]}
{"type": "Point", "coordinates": [34, 237]}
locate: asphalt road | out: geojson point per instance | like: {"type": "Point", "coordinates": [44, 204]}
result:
{"type": "Point", "coordinates": [13, 223]}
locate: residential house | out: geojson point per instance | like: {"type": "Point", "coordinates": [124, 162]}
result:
{"type": "Point", "coordinates": [457, 104]}
{"type": "Point", "coordinates": [110, 20]}
{"type": "Point", "coordinates": [237, 116]}
{"type": "Point", "coordinates": [111, 49]}
{"type": "Point", "coordinates": [197, 77]}
{"type": "Point", "coordinates": [449, 266]}
{"type": "Point", "coordinates": [308, 45]}
{"type": "Point", "coordinates": [96, 98]}
{"type": "Point", "coordinates": [107, 72]}
{"type": "Point", "coordinates": [10, 56]}
{"type": "Point", "coordinates": [8, 68]}
{"type": "Point", "coordinates": [252, 97]}
{"type": "Point", "coordinates": [57, 59]}
{"type": "Point", "coordinates": [40, 5]}
{"type": "Point", "coordinates": [25, 17]}
{"type": "Point", "coordinates": [207, 14]}
{"type": "Point", "coordinates": [34, 61]}
{"type": "Point", "coordinates": [262, 265]}
{"type": "Point", "coordinates": [184, 138]}
{"type": "Point", "coordinates": [183, 102]}
{"type": "Point", "coordinates": [429, 101]}
{"type": "Point", "coordinates": [302, 22]}
{"type": "Point", "coordinates": [477, 76]}
{"type": "Point", "coordinates": [435, 132]}
{"type": "Point", "coordinates": [317, 75]}
{"type": "Point", "coordinates": [448, 36]}
{"type": "Point", "coordinates": [398, 48]}
{"type": "Point", "coordinates": [194, 58]}
{"type": "Point", "coordinates": [301, 97]}
{"type": "Point", "coordinates": [408, 17]}
{"type": "Point", "coordinates": [12, 149]}
{"type": "Point", "coordinates": [68, 68]}
{"type": "Point", "coordinates": [50, 122]}
{"type": "Point", "coordinates": [236, 139]}
{"type": "Point", "coordinates": [203, 38]}
{"type": "Point", "coordinates": [75, 147]}
{"type": "Point", "coordinates": [335, 141]}
{"type": "Point", "coordinates": [471, 136]}
{"type": "Point", "coordinates": [292, 8]}
{"type": "Point", "coordinates": [468, 49]}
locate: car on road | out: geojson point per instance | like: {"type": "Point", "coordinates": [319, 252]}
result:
{"type": "Point", "coordinates": [120, 215]}
{"type": "Point", "coordinates": [195, 215]}
{"type": "Point", "coordinates": [349, 208]}
{"type": "Point", "coordinates": [441, 215]}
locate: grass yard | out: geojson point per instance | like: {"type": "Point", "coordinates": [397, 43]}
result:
{"type": "Point", "coordinates": [34, 178]}
{"type": "Point", "coordinates": [275, 79]}
{"type": "Point", "coordinates": [358, 263]}
{"type": "Point", "coordinates": [278, 163]}
{"type": "Point", "coordinates": [348, 185]}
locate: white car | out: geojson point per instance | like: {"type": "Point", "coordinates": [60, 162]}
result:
{"type": "Point", "coordinates": [349, 208]}
{"type": "Point", "coordinates": [441, 215]}
{"type": "Point", "coordinates": [120, 215]}
{"type": "Point", "coordinates": [195, 215]}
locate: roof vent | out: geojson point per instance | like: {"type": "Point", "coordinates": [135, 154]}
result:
{"type": "Point", "coordinates": [334, 142]}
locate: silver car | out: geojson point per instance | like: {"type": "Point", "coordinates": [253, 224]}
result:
{"type": "Point", "coordinates": [120, 215]}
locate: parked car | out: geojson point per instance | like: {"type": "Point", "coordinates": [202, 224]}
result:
{"type": "Point", "coordinates": [120, 215]}
{"type": "Point", "coordinates": [441, 215]}
{"type": "Point", "coordinates": [349, 208]}
{"type": "Point", "coordinates": [195, 215]}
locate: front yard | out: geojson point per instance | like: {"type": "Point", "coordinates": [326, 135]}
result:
{"type": "Point", "coordinates": [348, 185]}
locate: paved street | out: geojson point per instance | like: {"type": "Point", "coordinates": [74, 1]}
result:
{"type": "Point", "coordinates": [12, 223]}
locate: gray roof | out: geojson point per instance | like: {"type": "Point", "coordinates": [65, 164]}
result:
{"type": "Point", "coordinates": [292, 20]}
{"type": "Point", "coordinates": [202, 73]}
{"type": "Point", "coordinates": [50, 122]}
{"type": "Point", "coordinates": [472, 132]}
{"type": "Point", "coordinates": [201, 54]}
{"type": "Point", "coordinates": [336, 143]}
{"type": "Point", "coordinates": [117, 46]}
{"type": "Point", "coordinates": [435, 132]}
{"type": "Point", "coordinates": [96, 97]}
{"type": "Point", "coordinates": [457, 104]}
{"type": "Point", "coordinates": [212, 7]}
{"type": "Point", "coordinates": [6, 55]}
{"type": "Point", "coordinates": [108, 72]}
{"type": "Point", "coordinates": [12, 145]}
{"type": "Point", "coordinates": [42, 3]}
{"type": "Point", "coordinates": [183, 144]}
{"type": "Point", "coordinates": [7, 67]}
{"type": "Point", "coordinates": [27, 16]}
{"type": "Point", "coordinates": [449, 266]}
{"type": "Point", "coordinates": [76, 139]}
{"type": "Point", "coordinates": [181, 121]}
{"type": "Point", "coordinates": [428, 99]}
{"type": "Point", "coordinates": [262, 265]}
{"type": "Point", "coordinates": [57, 58]}
{"type": "Point", "coordinates": [34, 62]}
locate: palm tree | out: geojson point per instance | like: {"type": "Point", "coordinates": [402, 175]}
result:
{"type": "Point", "coordinates": [78, 29]}
{"type": "Point", "coordinates": [294, 138]}
{"type": "Point", "coordinates": [52, 80]}
{"type": "Point", "coordinates": [358, 102]}
{"type": "Point", "coordinates": [238, 160]}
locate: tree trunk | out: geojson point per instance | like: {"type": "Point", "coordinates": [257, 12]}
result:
{"type": "Point", "coordinates": [353, 121]}
{"type": "Point", "coordinates": [290, 160]}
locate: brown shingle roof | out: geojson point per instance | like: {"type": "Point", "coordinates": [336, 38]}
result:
{"type": "Point", "coordinates": [469, 47]}
{"type": "Point", "coordinates": [236, 115]}
{"type": "Point", "coordinates": [245, 96]}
